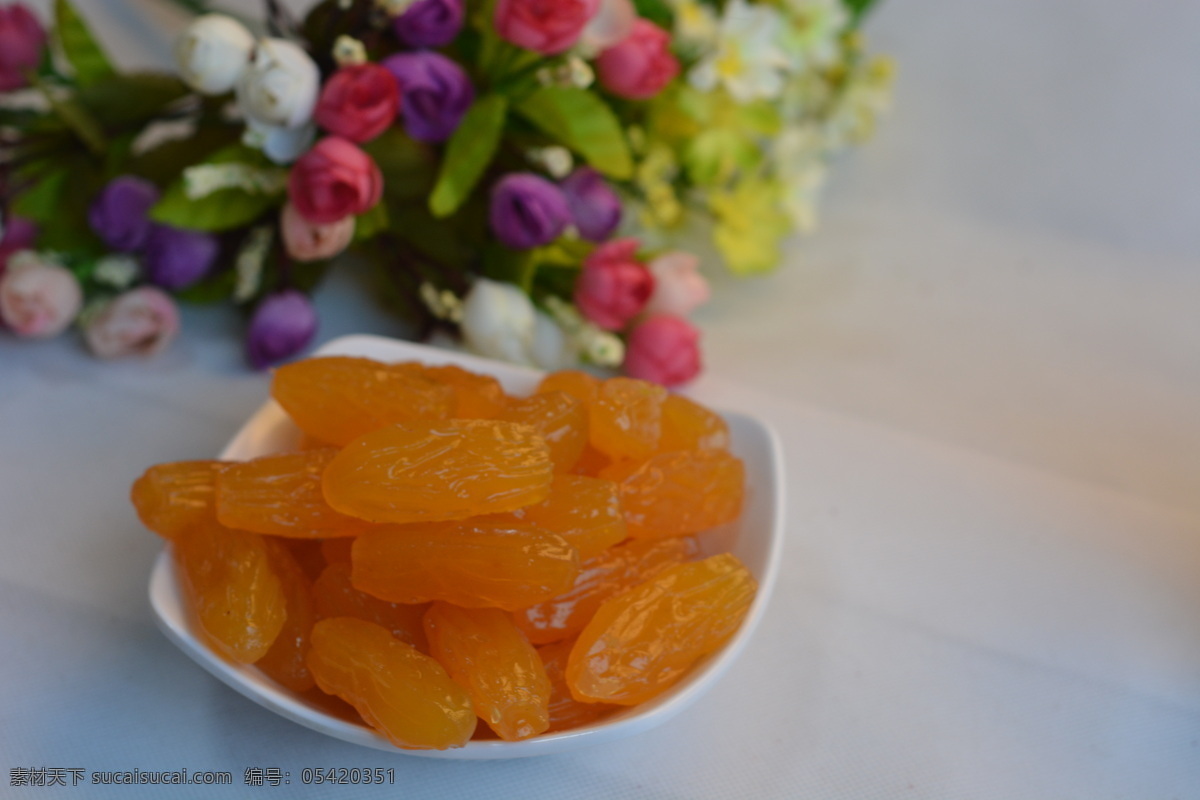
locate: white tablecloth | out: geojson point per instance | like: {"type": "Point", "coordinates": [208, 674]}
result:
{"type": "Point", "coordinates": [985, 371]}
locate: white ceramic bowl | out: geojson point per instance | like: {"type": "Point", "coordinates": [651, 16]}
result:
{"type": "Point", "coordinates": [756, 539]}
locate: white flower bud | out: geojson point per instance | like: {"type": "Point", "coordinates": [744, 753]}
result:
{"type": "Point", "coordinates": [552, 348]}
{"type": "Point", "coordinates": [213, 52]}
{"type": "Point", "coordinates": [281, 145]}
{"type": "Point", "coordinates": [498, 321]}
{"type": "Point", "coordinates": [280, 87]}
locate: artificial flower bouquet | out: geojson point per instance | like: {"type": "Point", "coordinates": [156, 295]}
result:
{"type": "Point", "coordinates": [518, 172]}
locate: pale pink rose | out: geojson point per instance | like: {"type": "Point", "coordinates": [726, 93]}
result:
{"type": "Point", "coordinates": [640, 65]}
{"type": "Point", "coordinates": [679, 288]}
{"type": "Point", "coordinates": [38, 299]}
{"type": "Point", "coordinates": [140, 322]}
{"type": "Point", "coordinates": [306, 241]}
{"type": "Point", "coordinates": [612, 24]}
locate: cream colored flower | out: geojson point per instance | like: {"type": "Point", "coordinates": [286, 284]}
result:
{"type": "Point", "coordinates": [748, 61]}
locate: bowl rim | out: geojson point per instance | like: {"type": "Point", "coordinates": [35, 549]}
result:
{"type": "Point", "coordinates": [171, 617]}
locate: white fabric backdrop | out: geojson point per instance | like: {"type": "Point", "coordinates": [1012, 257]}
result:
{"type": "Point", "coordinates": [985, 370]}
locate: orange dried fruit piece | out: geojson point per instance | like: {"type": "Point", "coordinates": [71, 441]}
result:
{"type": "Point", "coordinates": [339, 398]}
{"type": "Point", "coordinates": [399, 691]}
{"type": "Point", "coordinates": [476, 396]}
{"type": "Point", "coordinates": [559, 418]}
{"type": "Point", "coordinates": [430, 471]}
{"type": "Point", "coordinates": [625, 418]}
{"type": "Point", "coordinates": [687, 425]}
{"type": "Point", "coordinates": [580, 385]}
{"type": "Point", "coordinates": [643, 640]}
{"type": "Point", "coordinates": [337, 551]}
{"type": "Point", "coordinates": [584, 511]}
{"type": "Point", "coordinates": [335, 596]}
{"type": "Point", "coordinates": [680, 492]}
{"type": "Point", "coordinates": [171, 498]}
{"type": "Point", "coordinates": [600, 578]}
{"type": "Point", "coordinates": [591, 462]}
{"type": "Point", "coordinates": [286, 660]}
{"type": "Point", "coordinates": [474, 563]}
{"type": "Point", "coordinates": [485, 653]}
{"type": "Point", "coordinates": [281, 495]}
{"type": "Point", "coordinates": [565, 711]}
{"type": "Point", "coordinates": [232, 589]}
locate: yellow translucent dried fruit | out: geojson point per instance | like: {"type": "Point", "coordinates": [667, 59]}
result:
{"type": "Point", "coordinates": [645, 639]}
{"type": "Point", "coordinates": [475, 396]}
{"type": "Point", "coordinates": [429, 471]}
{"type": "Point", "coordinates": [687, 425]}
{"type": "Point", "coordinates": [681, 492]}
{"type": "Point", "coordinates": [232, 590]}
{"type": "Point", "coordinates": [565, 711]}
{"type": "Point", "coordinates": [335, 596]}
{"type": "Point", "coordinates": [399, 691]}
{"type": "Point", "coordinates": [474, 563]}
{"type": "Point", "coordinates": [281, 495]}
{"type": "Point", "coordinates": [584, 511]}
{"type": "Point", "coordinates": [600, 578]}
{"type": "Point", "coordinates": [580, 385]}
{"type": "Point", "coordinates": [339, 398]}
{"type": "Point", "coordinates": [625, 418]}
{"type": "Point", "coordinates": [171, 498]}
{"type": "Point", "coordinates": [485, 653]}
{"type": "Point", "coordinates": [559, 418]}
{"type": "Point", "coordinates": [286, 660]}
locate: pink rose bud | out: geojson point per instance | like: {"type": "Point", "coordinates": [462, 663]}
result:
{"type": "Point", "coordinates": [305, 241]}
{"type": "Point", "coordinates": [358, 102]}
{"type": "Point", "coordinates": [333, 181]}
{"type": "Point", "coordinates": [639, 66]}
{"type": "Point", "coordinates": [22, 39]}
{"type": "Point", "coordinates": [679, 288]}
{"type": "Point", "coordinates": [140, 322]}
{"type": "Point", "coordinates": [544, 26]}
{"type": "Point", "coordinates": [614, 286]}
{"type": "Point", "coordinates": [38, 299]}
{"type": "Point", "coordinates": [664, 349]}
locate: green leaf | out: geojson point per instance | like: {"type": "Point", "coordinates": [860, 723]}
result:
{"type": "Point", "coordinates": [79, 46]}
{"type": "Point", "coordinates": [165, 162]}
{"type": "Point", "coordinates": [408, 167]}
{"type": "Point", "coordinates": [213, 289]}
{"type": "Point", "coordinates": [583, 122]}
{"type": "Point", "coordinates": [41, 201]}
{"type": "Point", "coordinates": [220, 210]}
{"type": "Point", "coordinates": [858, 11]}
{"type": "Point", "coordinates": [76, 117]}
{"type": "Point", "coordinates": [657, 11]}
{"type": "Point", "coordinates": [370, 223]}
{"type": "Point", "coordinates": [118, 100]}
{"type": "Point", "coordinates": [468, 154]}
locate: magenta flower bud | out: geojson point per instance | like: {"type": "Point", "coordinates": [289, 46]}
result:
{"type": "Point", "coordinates": [434, 94]}
{"type": "Point", "coordinates": [22, 40]}
{"type": "Point", "coordinates": [429, 23]}
{"type": "Point", "coordinates": [176, 258]}
{"type": "Point", "coordinates": [282, 325]}
{"type": "Point", "coordinates": [527, 211]}
{"type": "Point", "coordinates": [595, 207]}
{"type": "Point", "coordinates": [118, 215]}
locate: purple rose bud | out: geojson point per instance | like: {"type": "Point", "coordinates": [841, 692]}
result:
{"type": "Point", "coordinates": [527, 211]}
{"type": "Point", "coordinates": [282, 325]}
{"type": "Point", "coordinates": [429, 23]}
{"type": "Point", "coordinates": [595, 207]}
{"type": "Point", "coordinates": [176, 258]}
{"type": "Point", "coordinates": [118, 214]}
{"type": "Point", "coordinates": [434, 94]}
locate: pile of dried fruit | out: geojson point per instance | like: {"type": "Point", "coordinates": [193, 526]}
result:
{"type": "Point", "coordinates": [438, 553]}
